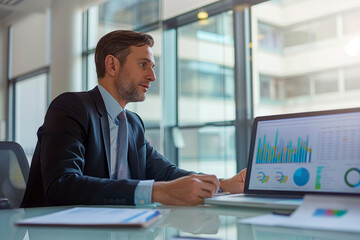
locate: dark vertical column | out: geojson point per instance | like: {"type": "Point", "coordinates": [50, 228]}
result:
{"type": "Point", "coordinates": [243, 84]}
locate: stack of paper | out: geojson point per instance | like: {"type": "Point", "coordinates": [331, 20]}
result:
{"type": "Point", "coordinates": [334, 213]}
{"type": "Point", "coordinates": [102, 217]}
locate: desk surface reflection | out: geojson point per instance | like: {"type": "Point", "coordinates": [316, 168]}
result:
{"type": "Point", "coordinates": [202, 221]}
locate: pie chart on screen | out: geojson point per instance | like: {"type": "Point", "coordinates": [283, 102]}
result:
{"type": "Point", "coordinates": [301, 176]}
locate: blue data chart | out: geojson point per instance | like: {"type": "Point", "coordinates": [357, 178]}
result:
{"type": "Point", "coordinates": [280, 177]}
{"type": "Point", "coordinates": [301, 177]}
{"type": "Point", "coordinates": [281, 151]}
{"type": "Point", "coordinates": [261, 177]}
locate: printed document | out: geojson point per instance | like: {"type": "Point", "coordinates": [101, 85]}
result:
{"type": "Point", "coordinates": [331, 213]}
{"type": "Point", "coordinates": [102, 217]}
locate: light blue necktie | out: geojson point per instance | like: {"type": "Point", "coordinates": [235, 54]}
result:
{"type": "Point", "coordinates": [122, 165]}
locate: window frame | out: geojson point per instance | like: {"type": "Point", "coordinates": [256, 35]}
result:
{"type": "Point", "coordinates": [11, 89]}
{"type": "Point", "coordinates": [242, 75]}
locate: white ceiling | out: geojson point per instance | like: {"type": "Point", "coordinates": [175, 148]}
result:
{"type": "Point", "coordinates": [11, 10]}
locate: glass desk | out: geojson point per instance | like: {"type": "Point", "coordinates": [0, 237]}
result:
{"type": "Point", "coordinates": [210, 222]}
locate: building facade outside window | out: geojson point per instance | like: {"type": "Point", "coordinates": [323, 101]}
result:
{"type": "Point", "coordinates": [300, 62]}
{"type": "Point", "coordinates": [305, 62]}
{"type": "Point", "coordinates": [206, 95]}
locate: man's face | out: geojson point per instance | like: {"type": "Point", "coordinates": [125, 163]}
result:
{"type": "Point", "coordinates": [135, 75]}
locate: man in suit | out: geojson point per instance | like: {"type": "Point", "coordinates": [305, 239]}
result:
{"type": "Point", "coordinates": [80, 156]}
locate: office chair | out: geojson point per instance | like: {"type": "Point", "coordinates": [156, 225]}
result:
{"type": "Point", "coordinates": [14, 173]}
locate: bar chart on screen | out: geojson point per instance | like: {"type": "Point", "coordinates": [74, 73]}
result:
{"type": "Point", "coordinates": [283, 151]}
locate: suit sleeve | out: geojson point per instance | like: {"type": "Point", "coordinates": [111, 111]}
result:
{"type": "Point", "coordinates": [63, 139]}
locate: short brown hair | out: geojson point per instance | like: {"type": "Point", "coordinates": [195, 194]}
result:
{"type": "Point", "coordinates": [118, 43]}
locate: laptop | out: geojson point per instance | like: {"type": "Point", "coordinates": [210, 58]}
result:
{"type": "Point", "coordinates": [296, 154]}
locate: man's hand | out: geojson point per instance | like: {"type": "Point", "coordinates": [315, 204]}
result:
{"type": "Point", "coordinates": [189, 190]}
{"type": "Point", "coordinates": [234, 184]}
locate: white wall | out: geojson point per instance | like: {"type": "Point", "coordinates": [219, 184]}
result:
{"type": "Point", "coordinates": [30, 45]}
{"type": "Point", "coordinates": [66, 35]}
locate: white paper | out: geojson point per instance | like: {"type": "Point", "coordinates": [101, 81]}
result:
{"type": "Point", "coordinates": [334, 213]}
{"type": "Point", "coordinates": [84, 216]}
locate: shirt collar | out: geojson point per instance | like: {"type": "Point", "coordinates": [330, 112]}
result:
{"type": "Point", "coordinates": [113, 108]}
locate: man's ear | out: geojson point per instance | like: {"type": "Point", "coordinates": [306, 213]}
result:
{"type": "Point", "coordinates": [111, 63]}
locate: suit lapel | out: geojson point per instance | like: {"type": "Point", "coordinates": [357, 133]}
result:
{"type": "Point", "coordinates": [133, 160]}
{"type": "Point", "coordinates": [104, 123]}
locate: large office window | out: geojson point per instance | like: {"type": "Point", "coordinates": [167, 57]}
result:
{"type": "Point", "coordinates": [206, 95]}
{"type": "Point", "coordinates": [206, 75]}
{"type": "Point", "coordinates": [30, 108]}
{"type": "Point", "coordinates": [140, 15]}
{"type": "Point", "coordinates": [191, 117]}
{"type": "Point", "coordinates": [28, 79]}
{"type": "Point", "coordinates": [312, 31]}
{"type": "Point", "coordinates": [270, 37]}
{"type": "Point", "coordinates": [352, 79]}
{"type": "Point", "coordinates": [209, 150]}
{"type": "Point", "coordinates": [317, 66]}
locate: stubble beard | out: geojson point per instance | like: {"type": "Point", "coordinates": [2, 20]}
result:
{"type": "Point", "coordinates": [127, 88]}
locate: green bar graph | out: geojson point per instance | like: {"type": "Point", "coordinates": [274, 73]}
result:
{"type": "Point", "coordinates": [282, 152]}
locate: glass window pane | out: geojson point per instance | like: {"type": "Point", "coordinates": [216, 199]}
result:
{"type": "Point", "coordinates": [315, 30]}
{"type": "Point", "coordinates": [91, 74]}
{"type": "Point", "coordinates": [297, 86]}
{"type": "Point", "coordinates": [93, 29]}
{"type": "Point", "coordinates": [118, 13]}
{"type": "Point", "coordinates": [326, 82]}
{"type": "Point", "coordinates": [206, 74]}
{"type": "Point", "coordinates": [209, 150]}
{"type": "Point", "coordinates": [126, 14]}
{"type": "Point", "coordinates": [270, 37]}
{"type": "Point", "coordinates": [323, 29]}
{"type": "Point", "coordinates": [352, 78]}
{"type": "Point", "coordinates": [270, 88]}
{"type": "Point", "coordinates": [296, 35]}
{"type": "Point", "coordinates": [30, 108]}
{"type": "Point", "coordinates": [148, 11]}
{"type": "Point", "coordinates": [316, 69]}
{"type": "Point", "coordinates": [265, 87]}
{"type": "Point", "coordinates": [154, 138]}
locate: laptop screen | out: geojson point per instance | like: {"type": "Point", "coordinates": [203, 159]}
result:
{"type": "Point", "coordinates": [306, 152]}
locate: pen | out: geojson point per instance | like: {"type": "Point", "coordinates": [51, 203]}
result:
{"type": "Point", "coordinates": [143, 216]}
{"type": "Point", "coordinates": [156, 213]}
{"type": "Point", "coordinates": [220, 194]}
{"type": "Point", "coordinates": [282, 213]}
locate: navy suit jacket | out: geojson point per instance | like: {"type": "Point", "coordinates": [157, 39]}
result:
{"type": "Point", "coordinates": [71, 163]}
